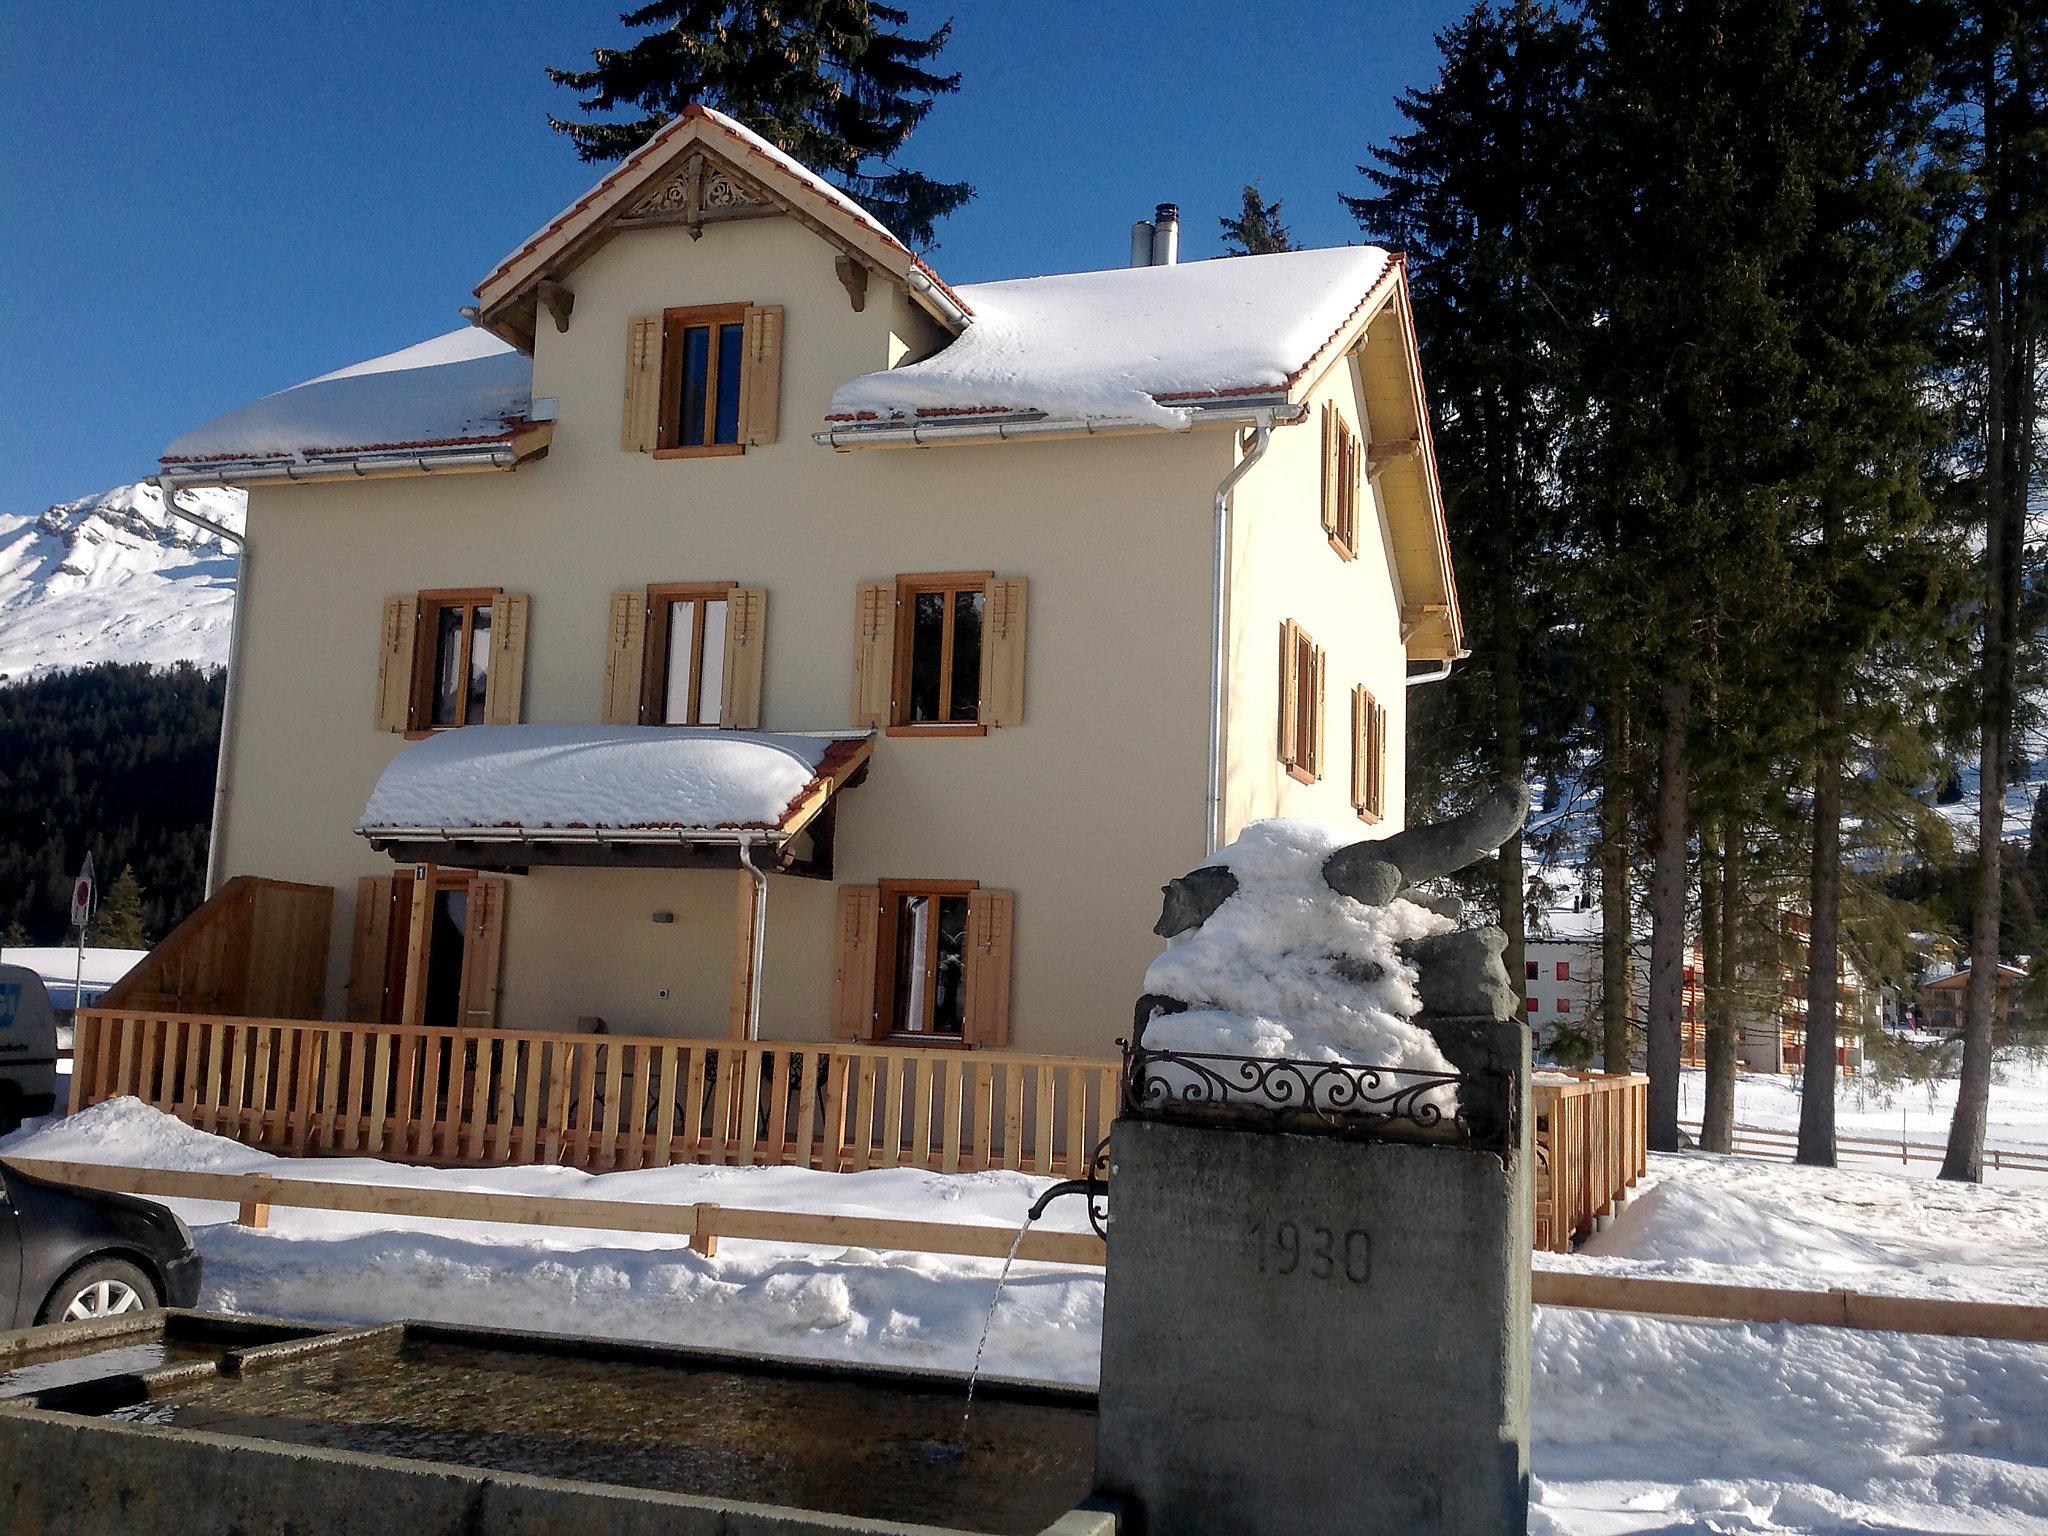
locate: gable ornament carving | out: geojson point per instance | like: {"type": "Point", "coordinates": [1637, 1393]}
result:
{"type": "Point", "coordinates": [700, 189]}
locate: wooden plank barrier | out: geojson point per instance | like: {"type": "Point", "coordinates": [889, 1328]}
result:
{"type": "Point", "coordinates": [701, 1225]}
{"type": "Point", "coordinates": [482, 1098]}
{"type": "Point", "coordinates": [254, 1195]}
{"type": "Point", "coordinates": [256, 946]}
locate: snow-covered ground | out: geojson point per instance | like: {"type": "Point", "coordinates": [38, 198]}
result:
{"type": "Point", "coordinates": [1914, 1112]}
{"type": "Point", "coordinates": [1640, 1425]}
{"type": "Point", "coordinates": [112, 578]}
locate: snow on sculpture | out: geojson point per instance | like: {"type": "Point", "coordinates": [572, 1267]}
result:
{"type": "Point", "coordinates": [1293, 943]}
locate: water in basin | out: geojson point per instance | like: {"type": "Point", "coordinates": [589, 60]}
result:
{"type": "Point", "coordinates": [821, 1442]}
{"type": "Point", "coordinates": [127, 1359]}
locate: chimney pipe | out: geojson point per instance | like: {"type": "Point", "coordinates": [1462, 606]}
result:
{"type": "Point", "coordinates": [1141, 243]}
{"type": "Point", "coordinates": [1165, 235]}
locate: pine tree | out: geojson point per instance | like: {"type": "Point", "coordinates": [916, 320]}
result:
{"type": "Point", "coordinates": [835, 83]}
{"type": "Point", "coordinates": [17, 936]}
{"type": "Point", "coordinates": [1257, 230]}
{"type": "Point", "coordinates": [119, 923]}
{"type": "Point", "coordinates": [1994, 148]}
{"type": "Point", "coordinates": [1472, 193]}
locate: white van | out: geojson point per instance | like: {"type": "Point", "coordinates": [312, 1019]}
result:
{"type": "Point", "coordinates": [28, 1047]}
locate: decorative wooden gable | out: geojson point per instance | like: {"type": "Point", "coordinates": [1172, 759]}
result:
{"type": "Point", "coordinates": [702, 190]}
{"type": "Point", "coordinates": [700, 169]}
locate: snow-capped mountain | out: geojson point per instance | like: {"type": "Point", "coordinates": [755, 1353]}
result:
{"type": "Point", "coordinates": [113, 578]}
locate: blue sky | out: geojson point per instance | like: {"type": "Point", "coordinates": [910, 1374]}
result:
{"type": "Point", "coordinates": [206, 200]}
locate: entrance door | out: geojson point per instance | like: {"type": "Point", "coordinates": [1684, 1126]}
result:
{"type": "Point", "coordinates": [458, 951]}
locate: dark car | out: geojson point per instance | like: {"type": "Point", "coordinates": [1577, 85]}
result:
{"type": "Point", "coordinates": [67, 1254]}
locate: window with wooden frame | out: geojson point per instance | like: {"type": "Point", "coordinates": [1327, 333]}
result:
{"type": "Point", "coordinates": [703, 381]}
{"type": "Point", "coordinates": [1369, 756]}
{"type": "Point", "coordinates": [451, 657]}
{"type": "Point", "coordinates": [924, 962]}
{"type": "Point", "coordinates": [1301, 703]}
{"type": "Point", "coordinates": [686, 654]}
{"type": "Point", "coordinates": [940, 653]}
{"type": "Point", "coordinates": [1343, 481]}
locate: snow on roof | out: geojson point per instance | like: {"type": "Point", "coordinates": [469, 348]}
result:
{"type": "Point", "coordinates": [1131, 342]}
{"type": "Point", "coordinates": [464, 387]}
{"type": "Point", "coordinates": [542, 778]}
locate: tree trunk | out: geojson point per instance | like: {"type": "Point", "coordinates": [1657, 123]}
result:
{"type": "Point", "coordinates": [1507, 692]}
{"type": "Point", "coordinates": [1617, 921]}
{"type": "Point", "coordinates": [2004, 534]}
{"type": "Point", "coordinates": [1823, 949]}
{"type": "Point", "coordinates": [1717, 1118]}
{"type": "Point", "coordinates": [1713, 964]}
{"type": "Point", "coordinates": [1667, 919]}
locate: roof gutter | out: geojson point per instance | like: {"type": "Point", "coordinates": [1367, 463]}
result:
{"type": "Point", "coordinates": [363, 465]}
{"type": "Point", "coordinates": [1003, 428]}
{"type": "Point", "coordinates": [653, 836]}
{"type": "Point", "coordinates": [934, 294]}
{"type": "Point", "coordinates": [1219, 617]}
{"type": "Point", "coordinates": [223, 760]}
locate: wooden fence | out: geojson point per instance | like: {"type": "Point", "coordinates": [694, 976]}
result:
{"type": "Point", "coordinates": [256, 947]}
{"type": "Point", "coordinates": [596, 1101]}
{"type": "Point", "coordinates": [1592, 1145]}
{"type": "Point", "coordinates": [701, 1226]}
{"type": "Point", "coordinates": [1765, 1141]}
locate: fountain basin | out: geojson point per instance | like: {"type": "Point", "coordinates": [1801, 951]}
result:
{"type": "Point", "coordinates": [443, 1428]}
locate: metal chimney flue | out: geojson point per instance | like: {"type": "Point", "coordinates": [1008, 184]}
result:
{"type": "Point", "coordinates": [1165, 235]}
{"type": "Point", "coordinates": [1141, 243]}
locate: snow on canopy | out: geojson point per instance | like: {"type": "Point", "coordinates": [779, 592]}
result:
{"type": "Point", "coordinates": [605, 778]}
{"type": "Point", "coordinates": [1127, 343]}
{"type": "Point", "coordinates": [1287, 967]}
{"type": "Point", "coordinates": [463, 387]}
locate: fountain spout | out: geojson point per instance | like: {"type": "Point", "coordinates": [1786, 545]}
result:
{"type": "Point", "coordinates": [1095, 1186]}
{"type": "Point", "coordinates": [1089, 1187]}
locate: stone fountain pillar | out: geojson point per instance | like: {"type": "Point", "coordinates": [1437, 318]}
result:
{"type": "Point", "coordinates": [1317, 1317]}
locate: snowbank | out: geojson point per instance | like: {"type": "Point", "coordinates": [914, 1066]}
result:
{"type": "Point", "coordinates": [618, 777]}
{"type": "Point", "coordinates": [464, 386]}
{"type": "Point", "coordinates": [1119, 344]}
{"type": "Point", "coordinates": [1286, 967]}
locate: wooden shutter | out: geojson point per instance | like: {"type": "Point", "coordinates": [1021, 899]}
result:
{"type": "Point", "coordinates": [1290, 682]}
{"type": "Point", "coordinates": [986, 1005]}
{"type": "Point", "coordinates": [626, 639]}
{"type": "Point", "coordinates": [1004, 605]}
{"type": "Point", "coordinates": [642, 416]}
{"type": "Point", "coordinates": [853, 966]}
{"type": "Point", "coordinates": [1315, 707]}
{"type": "Point", "coordinates": [762, 409]}
{"type": "Point", "coordinates": [1331, 429]}
{"type": "Point", "coordinates": [395, 662]}
{"type": "Point", "coordinates": [505, 681]}
{"type": "Point", "coordinates": [874, 652]}
{"type": "Point", "coordinates": [746, 618]}
{"type": "Point", "coordinates": [483, 948]}
{"type": "Point", "coordinates": [370, 950]}
{"type": "Point", "coordinates": [1361, 709]}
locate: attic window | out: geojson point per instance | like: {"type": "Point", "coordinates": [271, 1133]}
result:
{"type": "Point", "coordinates": [703, 379]}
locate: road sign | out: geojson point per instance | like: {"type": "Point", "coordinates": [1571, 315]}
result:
{"type": "Point", "coordinates": [83, 894]}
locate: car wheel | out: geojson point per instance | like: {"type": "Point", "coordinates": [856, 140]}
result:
{"type": "Point", "coordinates": [103, 1288]}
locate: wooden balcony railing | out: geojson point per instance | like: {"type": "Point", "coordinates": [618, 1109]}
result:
{"type": "Point", "coordinates": [1592, 1145]}
{"type": "Point", "coordinates": [596, 1101]}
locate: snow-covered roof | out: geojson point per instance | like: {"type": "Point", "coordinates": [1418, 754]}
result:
{"type": "Point", "coordinates": [462, 388]}
{"type": "Point", "coordinates": [1133, 343]}
{"type": "Point", "coordinates": [648, 783]}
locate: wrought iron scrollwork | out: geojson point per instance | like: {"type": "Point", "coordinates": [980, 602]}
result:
{"type": "Point", "coordinates": [1330, 1096]}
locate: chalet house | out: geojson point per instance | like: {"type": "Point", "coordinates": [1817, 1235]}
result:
{"type": "Point", "coordinates": [740, 633]}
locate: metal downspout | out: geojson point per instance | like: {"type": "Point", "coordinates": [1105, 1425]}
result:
{"type": "Point", "coordinates": [1219, 621]}
{"type": "Point", "coordinates": [223, 758]}
{"type": "Point", "coordinates": [760, 937]}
